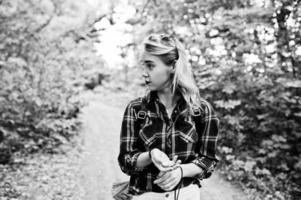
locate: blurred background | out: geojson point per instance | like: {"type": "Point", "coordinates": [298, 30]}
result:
{"type": "Point", "coordinates": [59, 57]}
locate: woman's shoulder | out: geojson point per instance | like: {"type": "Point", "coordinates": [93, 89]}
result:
{"type": "Point", "coordinates": [204, 107]}
{"type": "Point", "coordinates": [136, 103]}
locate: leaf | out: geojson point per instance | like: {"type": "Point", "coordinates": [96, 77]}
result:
{"type": "Point", "coordinates": [263, 171]}
{"type": "Point", "coordinates": [289, 83]}
{"type": "Point", "coordinates": [229, 88]}
{"type": "Point", "coordinates": [262, 116]}
{"type": "Point", "coordinates": [282, 176]}
{"type": "Point", "coordinates": [227, 149]}
{"type": "Point", "coordinates": [230, 157]}
{"type": "Point", "coordinates": [237, 164]}
{"type": "Point", "coordinates": [278, 138]}
{"type": "Point", "coordinates": [272, 154]}
{"type": "Point", "coordinates": [17, 61]}
{"type": "Point", "coordinates": [227, 104]}
{"type": "Point", "coordinates": [59, 138]}
{"type": "Point", "coordinates": [267, 143]}
{"type": "Point", "coordinates": [249, 165]}
{"type": "Point", "coordinates": [298, 165]}
{"type": "Point", "coordinates": [284, 166]}
{"type": "Point", "coordinates": [297, 114]}
{"type": "Point", "coordinates": [294, 84]}
{"type": "Point", "coordinates": [262, 151]}
{"type": "Point", "coordinates": [232, 120]}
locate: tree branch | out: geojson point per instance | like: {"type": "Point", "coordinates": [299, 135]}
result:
{"type": "Point", "coordinates": [47, 22]}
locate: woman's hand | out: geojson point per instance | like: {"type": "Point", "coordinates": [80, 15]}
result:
{"type": "Point", "coordinates": [162, 162]}
{"type": "Point", "coordinates": [169, 180]}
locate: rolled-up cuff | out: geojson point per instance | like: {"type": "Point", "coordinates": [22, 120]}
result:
{"type": "Point", "coordinates": [130, 167]}
{"type": "Point", "coordinates": [135, 158]}
{"type": "Point", "coordinates": [206, 164]}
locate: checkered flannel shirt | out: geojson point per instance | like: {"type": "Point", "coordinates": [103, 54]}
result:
{"type": "Point", "coordinates": [174, 136]}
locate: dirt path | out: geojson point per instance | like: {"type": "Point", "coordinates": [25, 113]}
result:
{"type": "Point", "coordinates": [87, 170]}
{"type": "Point", "coordinates": [100, 169]}
{"type": "Point", "coordinates": [101, 124]}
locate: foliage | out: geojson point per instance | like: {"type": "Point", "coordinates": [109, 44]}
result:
{"type": "Point", "coordinates": [43, 52]}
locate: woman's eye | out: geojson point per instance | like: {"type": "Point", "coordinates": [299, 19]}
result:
{"type": "Point", "coordinates": [149, 65]}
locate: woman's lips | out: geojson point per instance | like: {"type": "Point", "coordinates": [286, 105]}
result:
{"type": "Point", "coordinates": [147, 81]}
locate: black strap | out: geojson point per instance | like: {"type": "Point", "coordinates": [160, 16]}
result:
{"type": "Point", "coordinates": [177, 190]}
{"type": "Point", "coordinates": [142, 114]}
{"type": "Point", "coordinates": [197, 118]}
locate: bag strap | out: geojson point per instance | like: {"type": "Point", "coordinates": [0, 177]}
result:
{"type": "Point", "coordinates": [141, 114]}
{"type": "Point", "coordinates": [197, 118]}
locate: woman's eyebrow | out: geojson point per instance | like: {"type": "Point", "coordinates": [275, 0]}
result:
{"type": "Point", "coordinates": [147, 61]}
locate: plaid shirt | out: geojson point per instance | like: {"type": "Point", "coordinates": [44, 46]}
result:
{"type": "Point", "coordinates": [175, 136]}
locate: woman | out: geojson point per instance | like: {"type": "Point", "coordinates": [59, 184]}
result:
{"type": "Point", "coordinates": [168, 138]}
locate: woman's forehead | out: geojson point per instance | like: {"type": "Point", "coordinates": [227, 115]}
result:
{"type": "Point", "coordinates": [145, 56]}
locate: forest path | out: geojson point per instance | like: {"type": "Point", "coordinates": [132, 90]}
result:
{"type": "Point", "coordinates": [101, 129]}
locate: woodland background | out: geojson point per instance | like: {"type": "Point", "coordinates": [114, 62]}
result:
{"type": "Point", "coordinates": [245, 55]}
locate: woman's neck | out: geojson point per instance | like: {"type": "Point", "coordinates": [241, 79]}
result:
{"type": "Point", "coordinates": [167, 98]}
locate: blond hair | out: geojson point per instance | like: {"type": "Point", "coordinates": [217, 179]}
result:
{"type": "Point", "coordinates": [172, 53]}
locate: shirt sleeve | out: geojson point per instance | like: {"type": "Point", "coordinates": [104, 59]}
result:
{"type": "Point", "coordinates": [129, 152]}
{"type": "Point", "coordinates": [207, 158]}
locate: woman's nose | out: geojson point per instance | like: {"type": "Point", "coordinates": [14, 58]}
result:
{"type": "Point", "coordinates": [145, 75]}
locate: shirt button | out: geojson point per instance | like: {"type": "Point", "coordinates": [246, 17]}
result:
{"type": "Point", "coordinates": [167, 195]}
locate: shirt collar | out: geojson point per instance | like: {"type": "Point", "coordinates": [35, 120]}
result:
{"type": "Point", "coordinates": [152, 97]}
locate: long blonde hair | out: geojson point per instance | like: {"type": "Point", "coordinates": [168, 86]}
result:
{"type": "Point", "coordinates": [172, 53]}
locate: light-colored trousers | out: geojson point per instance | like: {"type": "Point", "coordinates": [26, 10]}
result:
{"type": "Point", "coordinates": [191, 192]}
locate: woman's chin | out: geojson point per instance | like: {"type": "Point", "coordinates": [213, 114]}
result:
{"type": "Point", "coordinates": [149, 86]}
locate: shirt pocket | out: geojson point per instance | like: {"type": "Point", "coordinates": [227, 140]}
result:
{"type": "Point", "coordinates": [186, 139]}
{"type": "Point", "coordinates": [186, 132]}
{"type": "Point", "coordinates": [151, 130]}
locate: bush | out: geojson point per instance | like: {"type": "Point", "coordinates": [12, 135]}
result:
{"type": "Point", "coordinates": [42, 55]}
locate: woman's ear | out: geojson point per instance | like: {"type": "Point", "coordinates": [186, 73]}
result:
{"type": "Point", "coordinates": [173, 70]}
